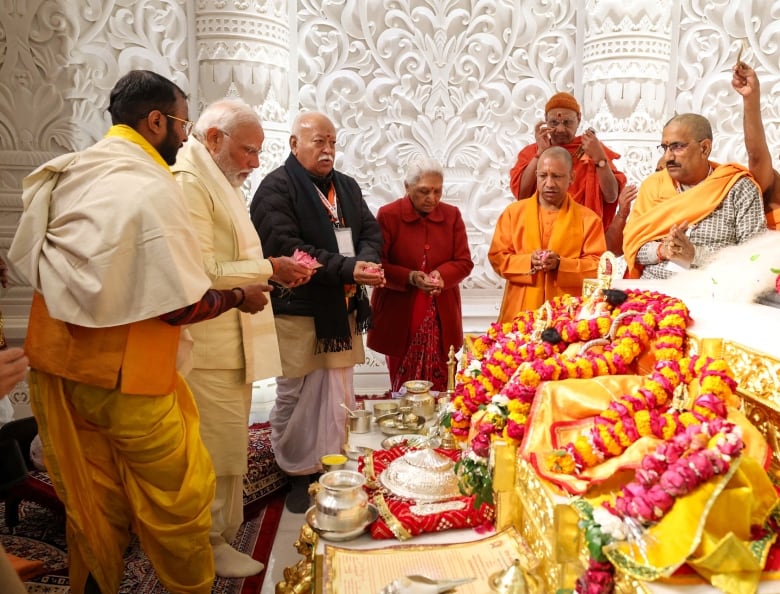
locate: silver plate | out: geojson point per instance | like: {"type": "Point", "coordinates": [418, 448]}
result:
{"type": "Point", "coordinates": [355, 452]}
{"type": "Point", "coordinates": [411, 440]}
{"type": "Point", "coordinates": [390, 426]}
{"type": "Point", "coordinates": [371, 515]}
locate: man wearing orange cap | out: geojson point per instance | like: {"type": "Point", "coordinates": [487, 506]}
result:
{"type": "Point", "coordinates": [596, 183]}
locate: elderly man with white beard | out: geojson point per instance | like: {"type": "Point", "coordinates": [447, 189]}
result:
{"type": "Point", "coordinates": [234, 349]}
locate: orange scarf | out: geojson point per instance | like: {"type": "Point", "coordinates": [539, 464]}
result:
{"type": "Point", "coordinates": [659, 206]}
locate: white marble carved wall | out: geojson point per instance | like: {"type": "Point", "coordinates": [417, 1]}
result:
{"type": "Point", "coordinates": [461, 80]}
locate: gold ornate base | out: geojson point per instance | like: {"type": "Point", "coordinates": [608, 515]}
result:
{"type": "Point", "coordinates": [299, 578]}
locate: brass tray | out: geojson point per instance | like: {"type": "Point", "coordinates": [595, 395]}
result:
{"type": "Point", "coordinates": [390, 425]}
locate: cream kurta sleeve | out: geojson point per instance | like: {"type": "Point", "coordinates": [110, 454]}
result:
{"type": "Point", "coordinates": [210, 221]}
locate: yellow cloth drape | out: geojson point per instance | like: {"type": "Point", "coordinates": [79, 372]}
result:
{"type": "Point", "coordinates": [710, 530]}
{"type": "Point", "coordinates": [118, 460]}
{"type": "Point", "coordinates": [564, 409]}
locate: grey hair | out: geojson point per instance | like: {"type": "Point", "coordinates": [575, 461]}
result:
{"type": "Point", "coordinates": [699, 126]}
{"type": "Point", "coordinates": [420, 167]}
{"type": "Point", "coordinates": [227, 115]}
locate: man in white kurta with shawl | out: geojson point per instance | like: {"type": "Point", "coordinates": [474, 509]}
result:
{"type": "Point", "coordinates": [234, 349]}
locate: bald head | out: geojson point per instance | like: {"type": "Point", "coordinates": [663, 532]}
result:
{"type": "Point", "coordinates": [313, 142]}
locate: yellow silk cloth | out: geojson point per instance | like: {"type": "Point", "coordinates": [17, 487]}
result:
{"type": "Point", "coordinates": [564, 409]}
{"type": "Point", "coordinates": [118, 461]}
{"type": "Point", "coordinates": [659, 205]}
{"type": "Point", "coordinates": [710, 530]}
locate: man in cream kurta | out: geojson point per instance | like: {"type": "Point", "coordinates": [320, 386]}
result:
{"type": "Point", "coordinates": [234, 349]}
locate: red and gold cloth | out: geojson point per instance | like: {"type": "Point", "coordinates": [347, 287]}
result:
{"type": "Point", "coordinates": [396, 518]}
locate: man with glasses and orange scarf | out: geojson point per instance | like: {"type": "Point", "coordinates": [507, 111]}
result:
{"type": "Point", "coordinates": [596, 182]}
{"type": "Point", "coordinates": [688, 211]}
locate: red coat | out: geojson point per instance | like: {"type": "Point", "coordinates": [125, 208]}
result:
{"type": "Point", "coordinates": [406, 235]}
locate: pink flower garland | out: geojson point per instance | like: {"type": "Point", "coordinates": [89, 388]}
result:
{"type": "Point", "coordinates": [674, 469]}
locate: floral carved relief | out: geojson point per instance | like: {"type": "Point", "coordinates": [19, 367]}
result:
{"type": "Point", "coordinates": [462, 81]}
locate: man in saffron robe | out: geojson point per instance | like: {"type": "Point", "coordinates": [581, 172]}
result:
{"type": "Point", "coordinates": [545, 246]}
{"type": "Point", "coordinates": [596, 182]}
{"type": "Point", "coordinates": [105, 241]}
{"type": "Point", "coordinates": [746, 83]}
{"type": "Point", "coordinates": [692, 208]}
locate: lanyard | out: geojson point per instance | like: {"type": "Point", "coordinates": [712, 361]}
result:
{"type": "Point", "coordinates": [330, 203]}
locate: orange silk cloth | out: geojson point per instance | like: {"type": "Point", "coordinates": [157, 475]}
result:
{"type": "Point", "coordinates": [659, 206]}
{"type": "Point", "coordinates": [585, 188]}
{"type": "Point", "coordinates": [577, 237]}
{"type": "Point", "coordinates": [563, 410]}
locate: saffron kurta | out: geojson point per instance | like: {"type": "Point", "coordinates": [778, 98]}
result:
{"type": "Point", "coordinates": [576, 235]}
{"type": "Point", "coordinates": [585, 188]}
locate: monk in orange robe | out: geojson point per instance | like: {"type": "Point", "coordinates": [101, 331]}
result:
{"type": "Point", "coordinates": [596, 182]}
{"type": "Point", "coordinates": [547, 245]}
{"type": "Point", "coordinates": [745, 82]}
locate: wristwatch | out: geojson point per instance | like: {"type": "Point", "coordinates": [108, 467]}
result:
{"type": "Point", "coordinates": [602, 163]}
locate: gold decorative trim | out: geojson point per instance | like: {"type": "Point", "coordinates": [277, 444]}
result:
{"type": "Point", "coordinates": [299, 578]}
{"type": "Point", "coordinates": [392, 522]}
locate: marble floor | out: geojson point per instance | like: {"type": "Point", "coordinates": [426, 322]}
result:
{"type": "Point", "coordinates": [283, 553]}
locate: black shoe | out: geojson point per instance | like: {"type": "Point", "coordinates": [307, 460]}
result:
{"type": "Point", "coordinates": [298, 500]}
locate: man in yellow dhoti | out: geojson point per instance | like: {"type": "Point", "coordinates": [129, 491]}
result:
{"type": "Point", "coordinates": [234, 349]}
{"type": "Point", "coordinates": [105, 241]}
{"type": "Point", "coordinates": [545, 246]}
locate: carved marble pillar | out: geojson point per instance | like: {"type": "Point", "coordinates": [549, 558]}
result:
{"type": "Point", "coordinates": [243, 50]}
{"type": "Point", "coordinates": [627, 66]}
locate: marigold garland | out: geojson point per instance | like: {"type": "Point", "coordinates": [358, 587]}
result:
{"type": "Point", "coordinates": [639, 414]}
{"type": "Point", "coordinates": [510, 361]}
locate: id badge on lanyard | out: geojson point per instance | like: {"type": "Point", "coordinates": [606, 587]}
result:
{"type": "Point", "coordinates": [344, 241]}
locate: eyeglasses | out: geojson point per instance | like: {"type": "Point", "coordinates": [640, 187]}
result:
{"type": "Point", "coordinates": [250, 150]}
{"type": "Point", "coordinates": [186, 125]}
{"type": "Point", "coordinates": [675, 147]}
{"type": "Point", "coordinates": [566, 123]}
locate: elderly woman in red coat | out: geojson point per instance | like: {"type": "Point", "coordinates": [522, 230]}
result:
{"type": "Point", "coordinates": [425, 255]}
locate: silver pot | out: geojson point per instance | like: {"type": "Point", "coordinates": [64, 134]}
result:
{"type": "Point", "coordinates": [341, 504]}
{"type": "Point", "coordinates": [359, 421]}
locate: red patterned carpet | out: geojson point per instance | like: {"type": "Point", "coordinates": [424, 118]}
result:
{"type": "Point", "coordinates": [40, 533]}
